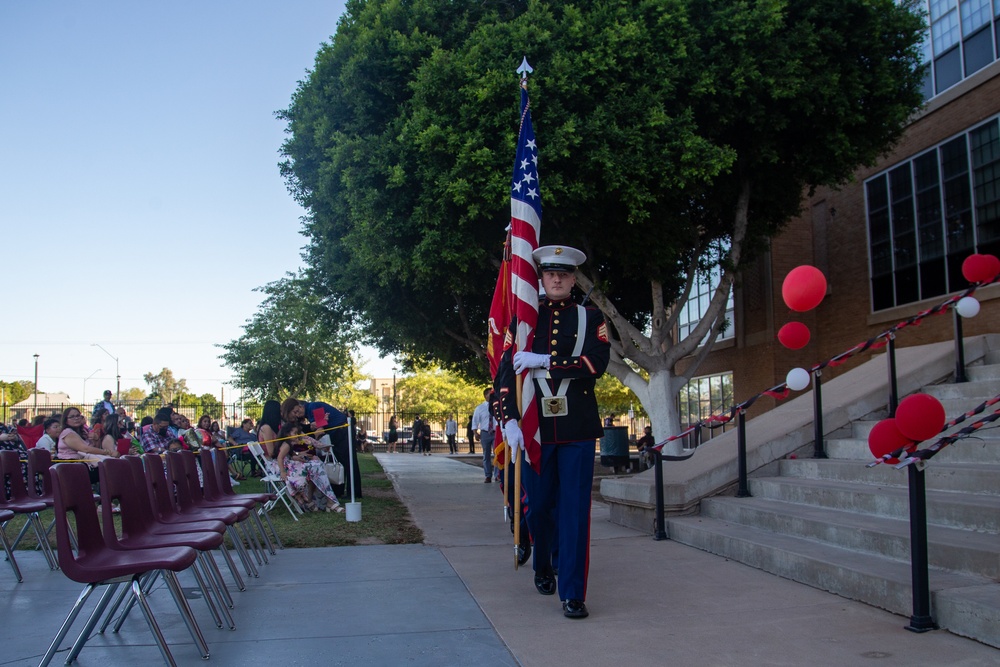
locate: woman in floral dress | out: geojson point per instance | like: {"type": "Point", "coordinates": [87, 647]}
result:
{"type": "Point", "coordinates": [301, 468]}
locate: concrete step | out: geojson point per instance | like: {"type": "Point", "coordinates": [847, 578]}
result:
{"type": "Point", "coordinates": [959, 477]}
{"type": "Point", "coordinates": [964, 551]}
{"type": "Point", "coordinates": [966, 511]}
{"type": "Point", "coordinates": [876, 580]}
{"type": "Point", "coordinates": [954, 407]}
{"type": "Point", "coordinates": [981, 373]}
{"type": "Point", "coordinates": [984, 448]}
{"type": "Point", "coordinates": [974, 392]}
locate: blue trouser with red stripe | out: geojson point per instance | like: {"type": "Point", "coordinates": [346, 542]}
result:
{"type": "Point", "coordinates": [559, 513]}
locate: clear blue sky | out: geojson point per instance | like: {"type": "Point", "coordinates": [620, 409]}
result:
{"type": "Point", "coordinates": [140, 199]}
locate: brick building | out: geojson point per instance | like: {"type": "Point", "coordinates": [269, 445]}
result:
{"type": "Point", "coordinates": [891, 243]}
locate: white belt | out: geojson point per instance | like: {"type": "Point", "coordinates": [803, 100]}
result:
{"type": "Point", "coordinates": [540, 375]}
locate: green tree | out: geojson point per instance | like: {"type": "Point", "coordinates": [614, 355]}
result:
{"type": "Point", "coordinates": [164, 387]}
{"type": "Point", "coordinates": [614, 398]}
{"type": "Point", "coordinates": [133, 395]}
{"type": "Point", "coordinates": [675, 135]}
{"type": "Point", "coordinates": [437, 391]}
{"type": "Point", "coordinates": [209, 405]}
{"type": "Point", "coordinates": [352, 393]}
{"type": "Point", "coordinates": [17, 391]}
{"type": "Point", "coordinates": [298, 343]}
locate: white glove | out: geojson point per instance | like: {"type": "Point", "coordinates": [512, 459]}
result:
{"type": "Point", "coordinates": [512, 434]}
{"type": "Point", "coordinates": [523, 360]}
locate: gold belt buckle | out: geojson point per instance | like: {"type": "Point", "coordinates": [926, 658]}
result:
{"type": "Point", "coordinates": [554, 406]}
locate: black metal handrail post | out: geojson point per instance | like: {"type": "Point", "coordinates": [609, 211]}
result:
{"type": "Point", "coordinates": [659, 532]}
{"type": "Point", "coordinates": [921, 620]}
{"type": "Point", "coordinates": [959, 349]}
{"type": "Point", "coordinates": [819, 446]}
{"type": "Point", "coordinates": [741, 446]}
{"type": "Point", "coordinates": [890, 353]}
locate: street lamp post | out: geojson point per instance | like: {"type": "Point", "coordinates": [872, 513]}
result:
{"type": "Point", "coordinates": [85, 384]}
{"type": "Point", "coordinates": [118, 377]}
{"type": "Point", "coordinates": [35, 410]}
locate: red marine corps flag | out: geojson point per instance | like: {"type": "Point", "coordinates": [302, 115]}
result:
{"type": "Point", "coordinates": [501, 312]}
{"type": "Point", "coordinates": [525, 229]}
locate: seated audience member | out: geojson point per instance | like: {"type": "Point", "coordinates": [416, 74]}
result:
{"type": "Point", "coordinates": [156, 437]}
{"type": "Point", "coordinates": [643, 445]}
{"type": "Point", "coordinates": [176, 445]}
{"type": "Point", "coordinates": [217, 433]}
{"type": "Point", "coordinates": [177, 423]}
{"type": "Point", "coordinates": [74, 443]}
{"type": "Point", "coordinates": [53, 427]}
{"type": "Point", "coordinates": [97, 425]}
{"type": "Point", "coordinates": [127, 424]}
{"type": "Point", "coordinates": [115, 439]}
{"type": "Point", "coordinates": [302, 470]}
{"type": "Point", "coordinates": [243, 436]}
{"type": "Point", "coordinates": [205, 424]}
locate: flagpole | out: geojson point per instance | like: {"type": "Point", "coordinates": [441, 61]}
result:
{"type": "Point", "coordinates": [523, 70]}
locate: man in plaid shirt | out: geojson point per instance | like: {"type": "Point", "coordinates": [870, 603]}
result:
{"type": "Point", "coordinates": [156, 437]}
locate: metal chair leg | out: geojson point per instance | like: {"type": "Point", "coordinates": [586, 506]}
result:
{"type": "Point", "coordinates": [233, 570]}
{"type": "Point", "coordinates": [61, 634]}
{"type": "Point", "coordinates": [10, 555]}
{"type": "Point", "coordinates": [88, 627]}
{"type": "Point", "coordinates": [185, 609]}
{"type": "Point", "coordinates": [161, 643]}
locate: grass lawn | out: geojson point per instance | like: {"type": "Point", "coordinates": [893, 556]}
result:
{"type": "Point", "coordinates": [384, 518]}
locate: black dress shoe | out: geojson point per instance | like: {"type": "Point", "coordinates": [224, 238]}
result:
{"type": "Point", "coordinates": [575, 609]}
{"type": "Point", "coordinates": [523, 553]}
{"type": "Point", "coordinates": [545, 584]}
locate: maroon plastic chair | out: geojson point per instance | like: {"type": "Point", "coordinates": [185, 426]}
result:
{"type": "Point", "coordinates": [182, 466]}
{"type": "Point", "coordinates": [212, 491]}
{"type": "Point", "coordinates": [95, 564]}
{"type": "Point", "coordinates": [39, 462]}
{"type": "Point", "coordinates": [18, 502]}
{"type": "Point", "coordinates": [264, 500]}
{"type": "Point", "coordinates": [139, 530]}
{"type": "Point", "coordinates": [5, 516]}
{"type": "Point", "coordinates": [166, 511]}
{"type": "Point", "coordinates": [185, 505]}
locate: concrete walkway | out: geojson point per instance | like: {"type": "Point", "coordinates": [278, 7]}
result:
{"type": "Point", "coordinates": [458, 601]}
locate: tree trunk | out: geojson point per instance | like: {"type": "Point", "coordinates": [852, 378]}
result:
{"type": "Point", "coordinates": [662, 409]}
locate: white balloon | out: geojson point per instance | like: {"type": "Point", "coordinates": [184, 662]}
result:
{"type": "Point", "coordinates": [967, 306]}
{"type": "Point", "coordinates": [797, 379]}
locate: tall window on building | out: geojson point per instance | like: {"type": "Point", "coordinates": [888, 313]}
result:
{"type": "Point", "coordinates": [705, 396]}
{"type": "Point", "coordinates": [696, 306]}
{"type": "Point", "coordinates": [926, 215]}
{"type": "Point", "coordinates": [961, 40]}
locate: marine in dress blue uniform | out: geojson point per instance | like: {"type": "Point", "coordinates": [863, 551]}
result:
{"type": "Point", "coordinates": [565, 368]}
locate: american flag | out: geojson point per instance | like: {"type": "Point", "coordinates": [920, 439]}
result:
{"type": "Point", "coordinates": [526, 223]}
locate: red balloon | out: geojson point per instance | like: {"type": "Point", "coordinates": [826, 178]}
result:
{"type": "Point", "coordinates": [794, 335]}
{"type": "Point", "coordinates": [980, 268]}
{"type": "Point", "coordinates": [886, 438]}
{"type": "Point", "coordinates": [920, 417]}
{"type": "Point", "coordinates": [804, 287]}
